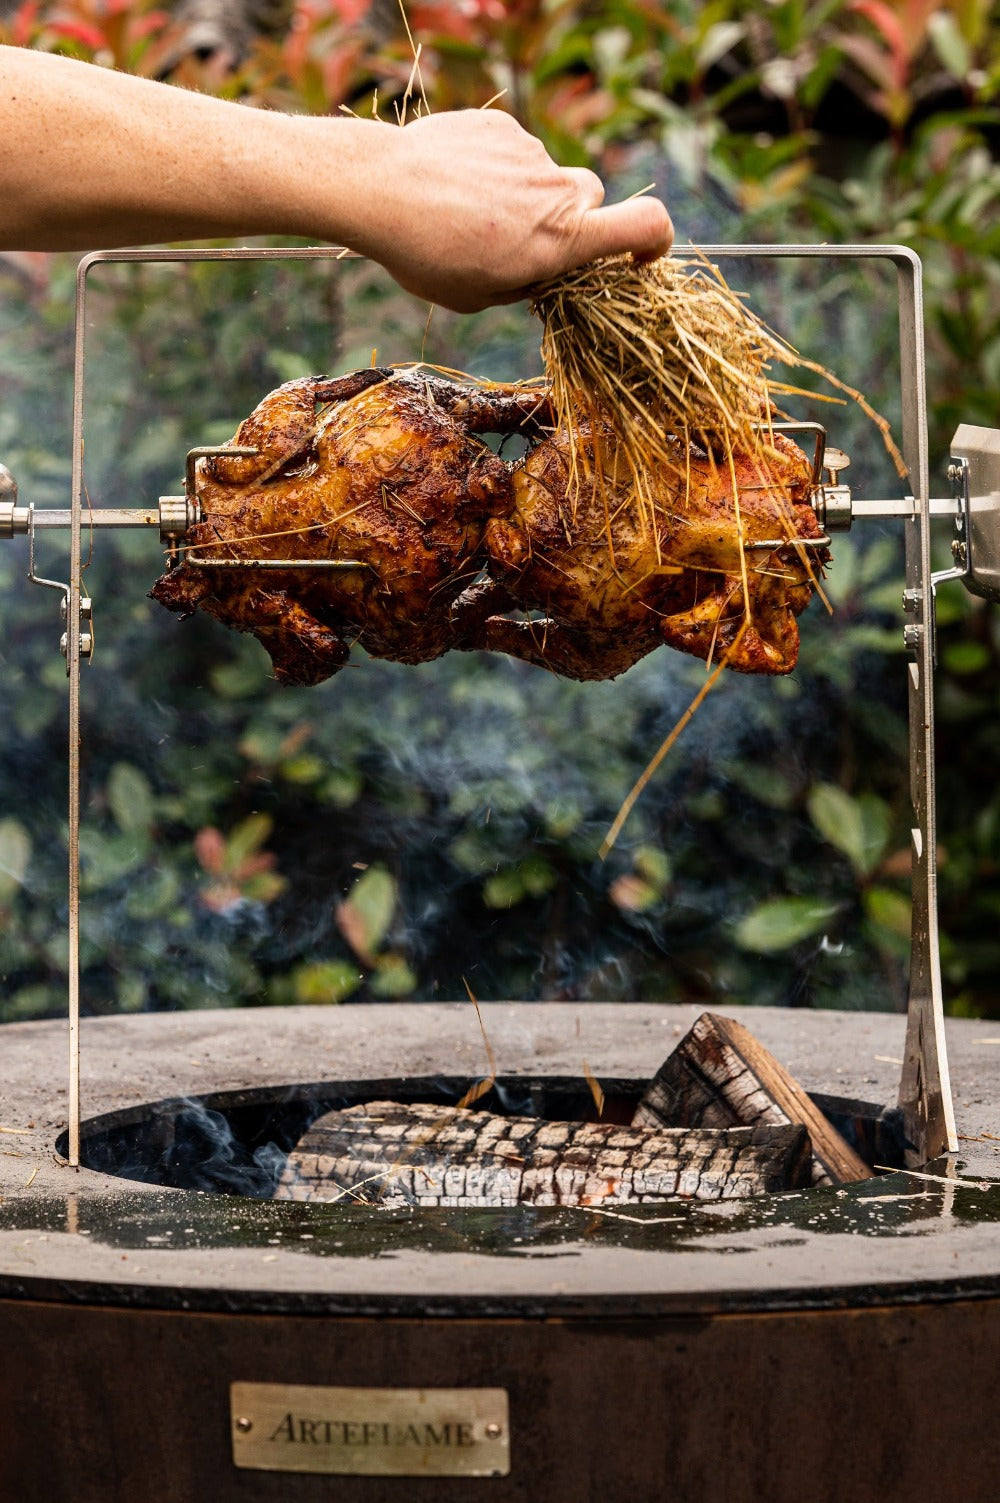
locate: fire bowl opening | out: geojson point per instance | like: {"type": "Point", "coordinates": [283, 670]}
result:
{"type": "Point", "coordinates": [237, 1142]}
{"type": "Point", "coordinates": [705, 1350]}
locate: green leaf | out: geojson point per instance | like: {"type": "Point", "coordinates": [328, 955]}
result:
{"type": "Point", "coordinates": [264, 887]}
{"type": "Point", "coordinates": [537, 876]}
{"type": "Point", "coordinates": [889, 909]}
{"type": "Point", "coordinates": [155, 897]}
{"type": "Point", "coordinates": [562, 818]}
{"type": "Point", "coordinates": [304, 769]}
{"type": "Point", "coordinates": [719, 38]}
{"type": "Point", "coordinates": [36, 1001]}
{"type": "Point", "coordinates": [949, 43]}
{"type": "Point", "coordinates": [31, 716]}
{"type": "Point", "coordinates": [882, 558]}
{"type": "Point", "coordinates": [247, 838]}
{"type": "Point", "coordinates": [289, 364]}
{"type": "Point", "coordinates": [240, 679]}
{"type": "Point", "coordinates": [858, 827]}
{"type": "Point", "coordinates": [782, 922]}
{"type": "Point", "coordinates": [342, 787]}
{"type": "Point", "coordinates": [366, 913]}
{"type": "Point", "coordinates": [765, 783]}
{"type": "Point", "coordinates": [503, 889]}
{"type": "Point", "coordinates": [262, 744]}
{"type": "Point", "coordinates": [965, 657]}
{"type": "Point", "coordinates": [130, 993]}
{"type": "Point", "coordinates": [105, 859]}
{"type": "Point", "coordinates": [843, 571]}
{"type": "Point", "coordinates": [130, 799]}
{"type": "Point", "coordinates": [392, 977]}
{"type": "Point", "coordinates": [653, 863]}
{"type": "Point", "coordinates": [474, 851]}
{"type": "Point", "coordinates": [864, 637]}
{"type": "Point", "coordinates": [15, 857]}
{"type": "Point", "coordinates": [325, 981]}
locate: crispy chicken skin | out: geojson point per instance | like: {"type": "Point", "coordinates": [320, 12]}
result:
{"type": "Point", "coordinates": [609, 592]}
{"type": "Point", "coordinates": [452, 547]}
{"type": "Point", "coordinates": [379, 467]}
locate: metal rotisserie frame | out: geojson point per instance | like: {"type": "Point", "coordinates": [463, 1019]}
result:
{"type": "Point", "coordinates": [925, 1094]}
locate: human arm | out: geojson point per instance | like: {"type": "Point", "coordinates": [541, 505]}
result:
{"type": "Point", "coordinates": [464, 209]}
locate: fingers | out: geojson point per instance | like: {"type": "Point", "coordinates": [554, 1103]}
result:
{"type": "Point", "coordinates": [640, 225]}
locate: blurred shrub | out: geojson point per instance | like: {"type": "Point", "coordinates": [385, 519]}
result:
{"type": "Point", "coordinates": [401, 831]}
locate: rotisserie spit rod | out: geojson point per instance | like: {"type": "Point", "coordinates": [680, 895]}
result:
{"type": "Point", "coordinates": [174, 515]}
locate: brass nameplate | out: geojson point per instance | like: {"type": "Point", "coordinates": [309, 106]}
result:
{"type": "Point", "coordinates": [386, 1432]}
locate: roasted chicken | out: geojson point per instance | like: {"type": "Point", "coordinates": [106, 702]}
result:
{"type": "Point", "coordinates": [378, 472]}
{"type": "Point", "coordinates": [711, 581]}
{"type": "Point", "coordinates": [439, 543]}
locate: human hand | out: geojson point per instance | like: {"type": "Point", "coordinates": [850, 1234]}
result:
{"type": "Point", "coordinates": [466, 209]}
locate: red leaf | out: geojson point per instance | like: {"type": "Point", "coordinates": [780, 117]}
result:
{"type": "Point", "coordinates": [354, 928]}
{"type": "Point", "coordinates": [80, 31]}
{"type": "Point", "coordinates": [210, 849]}
{"type": "Point", "coordinates": [23, 23]}
{"type": "Point", "coordinates": [252, 866]}
{"type": "Point", "coordinates": [220, 897]}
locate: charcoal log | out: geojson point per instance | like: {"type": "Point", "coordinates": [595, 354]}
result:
{"type": "Point", "coordinates": [390, 1154]}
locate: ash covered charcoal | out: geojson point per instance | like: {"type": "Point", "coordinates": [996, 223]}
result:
{"type": "Point", "coordinates": [390, 1154]}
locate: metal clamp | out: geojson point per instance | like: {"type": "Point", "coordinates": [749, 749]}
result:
{"type": "Point", "coordinates": [958, 474]}
{"type": "Point", "coordinates": [913, 599]}
{"type": "Point", "coordinates": [833, 502]}
{"type": "Point", "coordinates": [13, 518]}
{"type": "Point", "coordinates": [818, 433]}
{"type": "Point", "coordinates": [176, 515]}
{"type": "Point", "coordinates": [86, 627]}
{"type": "Point", "coordinates": [190, 500]}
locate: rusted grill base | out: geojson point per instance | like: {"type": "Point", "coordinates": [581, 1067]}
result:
{"type": "Point", "coordinates": [111, 1406]}
{"type": "Point", "coordinates": [823, 1344]}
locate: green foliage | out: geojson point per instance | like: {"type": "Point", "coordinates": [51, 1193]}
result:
{"type": "Point", "coordinates": [366, 913]}
{"type": "Point", "coordinates": [15, 856]}
{"type": "Point", "coordinates": [530, 878]}
{"type": "Point", "coordinates": [399, 830]}
{"type": "Point", "coordinates": [324, 981]}
{"type": "Point", "coordinates": [859, 827]}
{"type": "Point", "coordinates": [780, 923]}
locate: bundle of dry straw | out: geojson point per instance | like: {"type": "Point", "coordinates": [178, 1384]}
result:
{"type": "Point", "coordinates": [665, 353]}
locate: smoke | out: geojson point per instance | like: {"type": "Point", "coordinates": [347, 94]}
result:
{"type": "Point", "coordinates": [209, 1156]}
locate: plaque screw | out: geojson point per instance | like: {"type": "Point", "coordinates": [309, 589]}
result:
{"type": "Point", "coordinates": [244, 1424]}
{"type": "Point", "coordinates": [492, 1431]}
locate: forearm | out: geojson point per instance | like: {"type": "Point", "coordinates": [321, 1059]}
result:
{"type": "Point", "coordinates": [92, 158]}
{"type": "Point", "coordinates": [463, 208]}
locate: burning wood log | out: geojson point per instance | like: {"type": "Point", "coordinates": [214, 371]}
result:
{"type": "Point", "coordinates": [720, 1076]}
{"type": "Point", "coordinates": [391, 1154]}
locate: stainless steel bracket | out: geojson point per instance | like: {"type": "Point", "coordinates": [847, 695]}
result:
{"type": "Point", "coordinates": [925, 1091]}
{"type": "Point", "coordinates": [925, 1086]}
{"type": "Point", "coordinates": [195, 555]}
{"type": "Point", "coordinates": [80, 516]}
{"type": "Point", "coordinates": [975, 472]}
